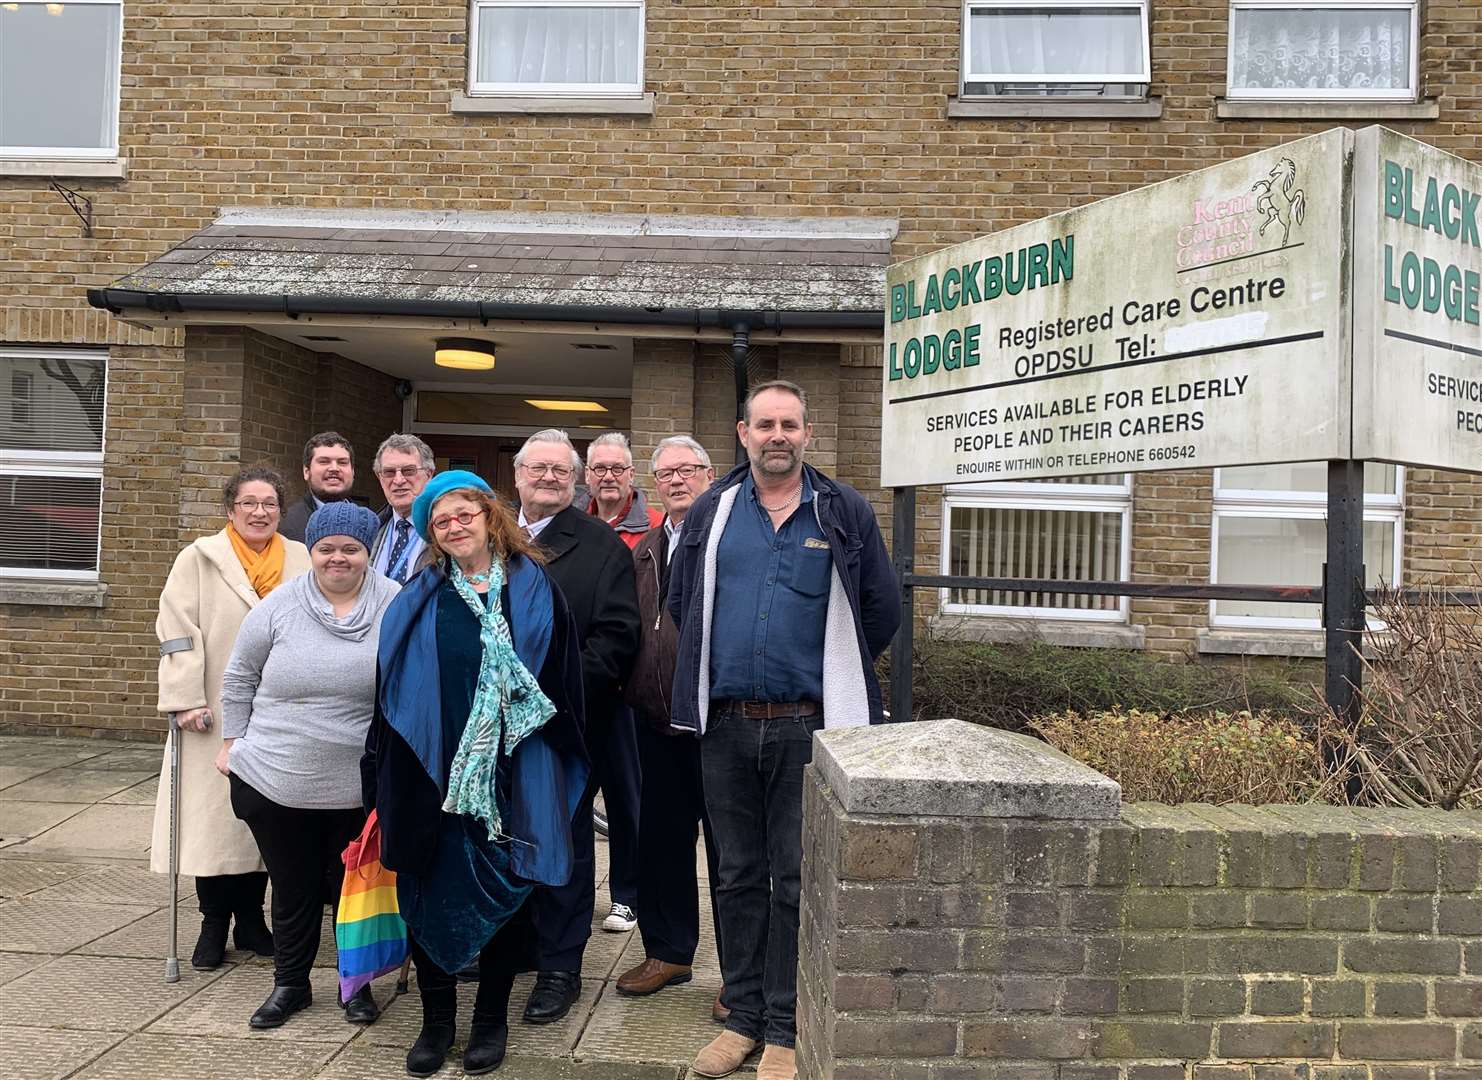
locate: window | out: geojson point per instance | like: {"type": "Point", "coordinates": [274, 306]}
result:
{"type": "Point", "coordinates": [1270, 528]}
{"type": "Point", "coordinates": [1069, 531]}
{"type": "Point", "coordinates": [574, 47]}
{"type": "Point", "coordinates": [1079, 48]}
{"type": "Point", "coordinates": [1323, 50]}
{"type": "Point", "coordinates": [51, 468]}
{"type": "Point", "coordinates": [59, 74]}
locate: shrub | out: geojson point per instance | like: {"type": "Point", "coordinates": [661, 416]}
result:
{"type": "Point", "coordinates": [1419, 737]}
{"type": "Point", "coordinates": [1213, 757]}
{"type": "Point", "coordinates": [1007, 686]}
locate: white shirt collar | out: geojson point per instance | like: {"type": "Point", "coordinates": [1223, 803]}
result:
{"type": "Point", "coordinates": [533, 528]}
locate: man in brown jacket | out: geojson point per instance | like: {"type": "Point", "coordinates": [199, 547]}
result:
{"type": "Point", "coordinates": [672, 802]}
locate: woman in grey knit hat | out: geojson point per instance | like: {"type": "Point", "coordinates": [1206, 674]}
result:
{"type": "Point", "coordinates": [297, 699]}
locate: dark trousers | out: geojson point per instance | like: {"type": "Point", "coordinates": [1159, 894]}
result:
{"type": "Point", "coordinates": [753, 774]}
{"type": "Point", "coordinates": [222, 896]}
{"type": "Point", "coordinates": [563, 914]}
{"type": "Point", "coordinates": [673, 811]}
{"type": "Point", "coordinates": [302, 851]}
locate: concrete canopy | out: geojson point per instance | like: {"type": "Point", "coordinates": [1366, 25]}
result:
{"type": "Point", "coordinates": [416, 260]}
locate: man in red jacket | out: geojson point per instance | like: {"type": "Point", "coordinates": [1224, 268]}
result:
{"type": "Point", "coordinates": [613, 498]}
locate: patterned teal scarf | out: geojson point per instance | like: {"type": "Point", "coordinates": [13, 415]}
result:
{"type": "Point", "coordinates": [508, 697]}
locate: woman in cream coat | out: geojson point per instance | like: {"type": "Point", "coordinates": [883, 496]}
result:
{"type": "Point", "coordinates": [213, 584]}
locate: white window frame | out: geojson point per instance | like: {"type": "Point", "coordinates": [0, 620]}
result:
{"type": "Point", "coordinates": [965, 76]}
{"type": "Point", "coordinates": [1029, 495]}
{"type": "Point", "coordinates": [81, 153]}
{"type": "Point", "coordinates": [1234, 93]}
{"type": "Point", "coordinates": [477, 8]}
{"type": "Point", "coordinates": [84, 465]}
{"type": "Point", "coordinates": [1379, 507]}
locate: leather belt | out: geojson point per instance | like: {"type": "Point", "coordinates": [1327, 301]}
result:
{"type": "Point", "coordinates": [772, 710]}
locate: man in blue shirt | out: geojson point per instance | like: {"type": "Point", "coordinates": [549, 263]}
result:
{"type": "Point", "coordinates": [784, 596]}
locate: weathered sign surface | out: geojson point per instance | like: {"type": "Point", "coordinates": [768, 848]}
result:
{"type": "Point", "coordinates": [1197, 322]}
{"type": "Point", "coordinates": [1418, 313]}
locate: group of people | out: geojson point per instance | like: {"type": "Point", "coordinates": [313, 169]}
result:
{"type": "Point", "coordinates": [475, 672]}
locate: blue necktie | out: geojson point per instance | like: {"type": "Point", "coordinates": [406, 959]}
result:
{"type": "Point", "coordinates": [403, 537]}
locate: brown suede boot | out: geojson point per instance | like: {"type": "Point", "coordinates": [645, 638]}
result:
{"type": "Point", "coordinates": [724, 1054]}
{"type": "Point", "coordinates": [778, 1063]}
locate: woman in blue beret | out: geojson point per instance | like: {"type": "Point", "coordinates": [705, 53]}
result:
{"type": "Point", "coordinates": [474, 762]}
{"type": "Point", "coordinates": [297, 699]}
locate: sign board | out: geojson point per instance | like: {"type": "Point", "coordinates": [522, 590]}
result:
{"type": "Point", "coordinates": [1198, 322]}
{"type": "Point", "coordinates": [1417, 361]}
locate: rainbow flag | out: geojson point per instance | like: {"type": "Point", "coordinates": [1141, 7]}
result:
{"type": "Point", "coordinates": [368, 929]}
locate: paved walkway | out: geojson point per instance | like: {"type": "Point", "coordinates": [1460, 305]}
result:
{"type": "Point", "coordinates": [83, 937]}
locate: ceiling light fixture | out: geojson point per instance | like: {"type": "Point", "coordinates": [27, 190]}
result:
{"type": "Point", "coordinates": [558, 405]}
{"type": "Point", "coordinates": [466, 354]}
{"type": "Point", "coordinates": [55, 9]}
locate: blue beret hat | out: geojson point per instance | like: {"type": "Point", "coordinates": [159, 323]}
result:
{"type": "Point", "coordinates": [439, 486]}
{"type": "Point", "coordinates": [343, 518]}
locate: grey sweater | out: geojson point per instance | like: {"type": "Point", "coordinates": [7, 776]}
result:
{"type": "Point", "coordinates": [299, 692]}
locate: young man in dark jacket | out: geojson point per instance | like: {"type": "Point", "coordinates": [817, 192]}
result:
{"type": "Point", "coordinates": [784, 596]}
{"type": "Point", "coordinates": [329, 473]}
{"type": "Point", "coordinates": [673, 801]}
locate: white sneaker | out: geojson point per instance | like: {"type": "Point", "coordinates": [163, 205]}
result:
{"type": "Point", "coordinates": [620, 919]}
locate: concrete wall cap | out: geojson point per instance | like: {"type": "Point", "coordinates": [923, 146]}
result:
{"type": "Point", "coordinates": [950, 768]}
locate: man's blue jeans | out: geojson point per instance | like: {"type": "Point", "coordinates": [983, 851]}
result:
{"type": "Point", "coordinates": [753, 772]}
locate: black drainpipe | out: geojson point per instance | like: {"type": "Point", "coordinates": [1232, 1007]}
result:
{"type": "Point", "coordinates": [740, 340]}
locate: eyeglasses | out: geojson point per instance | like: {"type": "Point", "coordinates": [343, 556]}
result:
{"type": "Point", "coordinates": [608, 470]}
{"type": "Point", "coordinates": [539, 469]}
{"type": "Point", "coordinates": [406, 472]}
{"type": "Point", "coordinates": [684, 472]}
{"type": "Point", "coordinates": [441, 524]}
{"type": "Point", "coordinates": [252, 506]}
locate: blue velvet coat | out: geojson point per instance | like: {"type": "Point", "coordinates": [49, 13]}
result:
{"type": "Point", "coordinates": [404, 771]}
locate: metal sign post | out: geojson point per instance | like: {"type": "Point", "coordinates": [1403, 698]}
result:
{"type": "Point", "coordinates": [1343, 590]}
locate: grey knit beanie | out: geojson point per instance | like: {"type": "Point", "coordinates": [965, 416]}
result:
{"type": "Point", "coordinates": [343, 518]}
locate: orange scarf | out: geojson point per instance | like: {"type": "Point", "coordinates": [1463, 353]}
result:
{"type": "Point", "coordinates": [265, 570]}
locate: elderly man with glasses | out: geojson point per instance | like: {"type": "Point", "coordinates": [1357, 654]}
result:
{"type": "Point", "coordinates": [404, 464]}
{"type": "Point", "coordinates": [614, 499]}
{"type": "Point", "coordinates": [673, 801]}
{"type": "Point", "coordinates": [594, 571]}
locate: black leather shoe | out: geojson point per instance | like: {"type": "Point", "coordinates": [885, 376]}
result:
{"type": "Point", "coordinates": [253, 936]}
{"type": "Point", "coordinates": [485, 1050]}
{"type": "Point", "coordinates": [282, 1003]}
{"type": "Point", "coordinates": [211, 945]}
{"type": "Point", "coordinates": [431, 1048]}
{"type": "Point", "coordinates": [361, 1008]}
{"type": "Point", "coordinates": [554, 994]}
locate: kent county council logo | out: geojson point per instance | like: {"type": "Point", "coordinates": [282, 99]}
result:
{"type": "Point", "coordinates": [1281, 201]}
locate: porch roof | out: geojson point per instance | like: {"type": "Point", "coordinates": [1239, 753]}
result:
{"type": "Point", "coordinates": [420, 261]}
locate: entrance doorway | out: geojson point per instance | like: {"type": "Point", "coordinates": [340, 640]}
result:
{"type": "Point", "coordinates": [491, 457]}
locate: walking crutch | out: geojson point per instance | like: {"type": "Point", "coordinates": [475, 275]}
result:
{"type": "Point", "coordinates": [172, 963]}
{"type": "Point", "coordinates": [172, 957]}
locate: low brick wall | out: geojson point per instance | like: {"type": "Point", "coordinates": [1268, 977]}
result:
{"type": "Point", "coordinates": [1170, 943]}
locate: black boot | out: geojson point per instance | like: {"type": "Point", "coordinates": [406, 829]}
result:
{"type": "Point", "coordinates": [490, 1032]}
{"type": "Point", "coordinates": [485, 1050]}
{"type": "Point", "coordinates": [250, 931]}
{"type": "Point", "coordinates": [211, 945]}
{"type": "Point", "coordinates": [439, 1011]}
{"type": "Point", "coordinates": [214, 895]}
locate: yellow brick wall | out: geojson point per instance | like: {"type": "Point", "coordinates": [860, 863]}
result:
{"type": "Point", "coordinates": [768, 108]}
